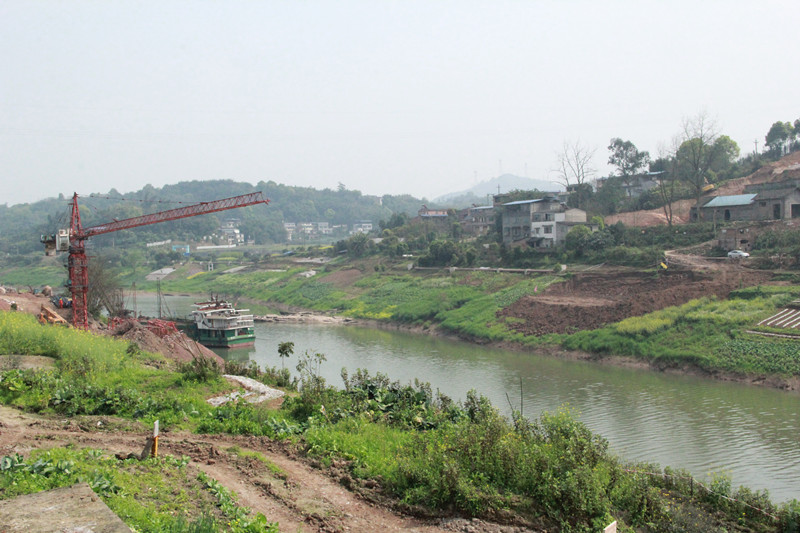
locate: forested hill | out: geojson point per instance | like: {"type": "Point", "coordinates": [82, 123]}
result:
{"type": "Point", "coordinates": [21, 225]}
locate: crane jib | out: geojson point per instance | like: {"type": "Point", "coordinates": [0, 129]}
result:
{"type": "Point", "coordinates": [201, 208]}
{"type": "Point", "coordinates": [78, 262]}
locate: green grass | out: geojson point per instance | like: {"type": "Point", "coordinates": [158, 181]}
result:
{"type": "Point", "coordinates": [154, 495]}
{"type": "Point", "coordinates": [372, 447]}
{"type": "Point", "coordinates": [96, 375]}
{"type": "Point", "coordinates": [35, 276]}
{"type": "Point", "coordinates": [706, 332]}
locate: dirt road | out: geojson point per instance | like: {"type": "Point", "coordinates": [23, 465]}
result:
{"type": "Point", "coordinates": [302, 499]}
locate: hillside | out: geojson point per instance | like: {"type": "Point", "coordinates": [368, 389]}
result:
{"type": "Point", "coordinates": [23, 224]}
{"type": "Point", "coordinates": [785, 168]}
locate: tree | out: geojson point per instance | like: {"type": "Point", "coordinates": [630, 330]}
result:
{"type": "Point", "coordinates": [779, 136]}
{"type": "Point", "coordinates": [285, 349]}
{"type": "Point", "coordinates": [395, 221]}
{"type": "Point", "coordinates": [664, 170]}
{"type": "Point", "coordinates": [358, 244]}
{"type": "Point", "coordinates": [703, 153]}
{"type": "Point", "coordinates": [628, 160]}
{"type": "Point", "coordinates": [575, 166]}
{"type": "Point", "coordinates": [608, 198]}
{"type": "Point", "coordinates": [577, 240]}
{"type": "Point", "coordinates": [104, 289]}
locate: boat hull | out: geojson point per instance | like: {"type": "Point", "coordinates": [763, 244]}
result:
{"type": "Point", "coordinates": [212, 338]}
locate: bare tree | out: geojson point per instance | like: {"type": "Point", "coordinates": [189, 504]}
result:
{"type": "Point", "coordinates": [696, 153]}
{"type": "Point", "coordinates": [575, 167]}
{"type": "Point", "coordinates": [104, 289]}
{"type": "Point", "coordinates": [665, 172]}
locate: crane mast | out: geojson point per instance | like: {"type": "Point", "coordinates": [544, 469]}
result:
{"type": "Point", "coordinates": [74, 241]}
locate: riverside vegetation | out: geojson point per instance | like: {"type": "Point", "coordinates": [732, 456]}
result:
{"type": "Point", "coordinates": [707, 333]}
{"type": "Point", "coordinates": [427, 454]}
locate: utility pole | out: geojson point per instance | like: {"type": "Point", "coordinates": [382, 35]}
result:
{"type": "Point", "coordinates": [756, 143]}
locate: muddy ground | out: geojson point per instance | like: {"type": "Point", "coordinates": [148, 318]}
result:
{"type": "Point", "coordinates": [591, 300]}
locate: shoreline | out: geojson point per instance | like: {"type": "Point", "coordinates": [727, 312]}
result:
{"type": "Point", "coordinates": [551, 350]}
{"type": "Point", "coordinates": [297, 315]}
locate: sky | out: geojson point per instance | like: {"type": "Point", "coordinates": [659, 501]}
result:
{"type": "Point", "coordinates": [385, 97]}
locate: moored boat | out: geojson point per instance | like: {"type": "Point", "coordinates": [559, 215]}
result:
{"type": "Point", "coordinates": [218, 324]}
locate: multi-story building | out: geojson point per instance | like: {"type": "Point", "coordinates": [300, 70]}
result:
{"type": "Point", "coordinates": [543, 223]}
{"type": "Point", "coordinates": [477, 220]}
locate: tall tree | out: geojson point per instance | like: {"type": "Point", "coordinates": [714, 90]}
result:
{"type": "Point", "coordinates": [628, 160]}
{"type": "Point", "coordinates": [778, 137]}
{"type": "Point", "coordinates": [665, 172]}
{"type": "Point", "coordinates": [575, 167]}
{"type": "Point", "coordinates": [703, 153]}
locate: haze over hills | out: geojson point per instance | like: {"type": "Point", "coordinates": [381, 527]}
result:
{"type": "Point", "coordinates": [503, 183]}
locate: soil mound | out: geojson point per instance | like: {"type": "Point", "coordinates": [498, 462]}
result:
{"type": "Point", "coordinates": [175, 346]}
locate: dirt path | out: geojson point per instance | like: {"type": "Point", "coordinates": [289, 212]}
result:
{"type": "Point", "coordinates": [287, 489]}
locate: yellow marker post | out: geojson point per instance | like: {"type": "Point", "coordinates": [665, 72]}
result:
{"type": "Point", "coordinates": [155, 440]}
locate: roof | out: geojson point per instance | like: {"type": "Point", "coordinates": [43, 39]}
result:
{"type": "Point", "coordinates": [731, 201]}
{"type": "Point", "coordinates": [478, 207]}
{"type": "Point", "coordinates": [521, 202]}
{"type": "Point", "coordinates": [773, 194]}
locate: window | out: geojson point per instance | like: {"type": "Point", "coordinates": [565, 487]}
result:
{"type": "Point", "coordinates": [548, 229]}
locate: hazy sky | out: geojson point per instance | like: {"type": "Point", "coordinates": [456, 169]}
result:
{"type": "Point", "coordinates": [387, 97]}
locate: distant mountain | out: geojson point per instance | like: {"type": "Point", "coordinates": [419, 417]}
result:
{"type": "Point", "coordinates": [505, 183]}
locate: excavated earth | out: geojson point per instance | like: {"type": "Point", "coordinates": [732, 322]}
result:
{"type": "Point", "coordinates": [591, 300]}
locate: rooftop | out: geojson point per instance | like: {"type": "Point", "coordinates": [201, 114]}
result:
{"type": "Point", "coordinates": [731, 201]}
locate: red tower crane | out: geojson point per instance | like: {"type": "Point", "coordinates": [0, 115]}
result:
{"type": "Point", "coordinates": [74, 241]}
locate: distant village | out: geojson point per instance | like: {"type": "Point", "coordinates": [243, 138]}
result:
{"type": "Point", "coordinates": [545, 221]}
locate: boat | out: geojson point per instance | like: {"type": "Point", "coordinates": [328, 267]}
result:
{"type": "Point", "coordinates": [218, 324]}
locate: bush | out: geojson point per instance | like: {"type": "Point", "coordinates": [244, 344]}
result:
{"type": "Point", "coordinates": [201, 369]}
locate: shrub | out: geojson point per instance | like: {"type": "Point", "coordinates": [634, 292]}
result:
{"type": "Point", "coordinates": [201, 369]}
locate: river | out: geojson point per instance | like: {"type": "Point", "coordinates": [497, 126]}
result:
{"type": "Point", "coordinates": [704, 426]}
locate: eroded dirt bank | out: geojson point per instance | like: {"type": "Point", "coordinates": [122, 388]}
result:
{"type": "Point", "coordinates": [288, 489]}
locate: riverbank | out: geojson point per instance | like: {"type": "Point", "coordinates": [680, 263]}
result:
{"type": "Point", "coordinates": [682, 322]}
{"type": "Point", "coordinates": [551, 350]}
{"type": "Point", "coordinates": [379, 442]}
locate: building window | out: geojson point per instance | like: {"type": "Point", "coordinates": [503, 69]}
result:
{"type": "Point", "coordinates": [548, 229]}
